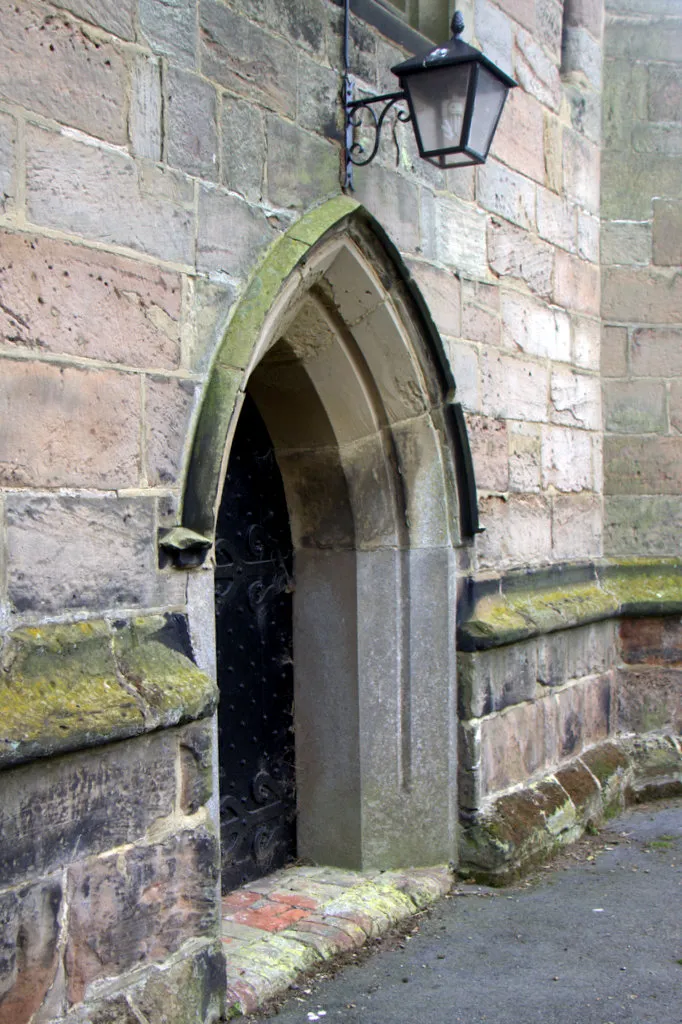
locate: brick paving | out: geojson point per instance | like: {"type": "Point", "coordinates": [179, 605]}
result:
{"type": "Point", "coordinates": [283, 925]}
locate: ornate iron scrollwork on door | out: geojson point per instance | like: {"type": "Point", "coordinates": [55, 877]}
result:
{"type": "Point", "coordinates": [253, 588]}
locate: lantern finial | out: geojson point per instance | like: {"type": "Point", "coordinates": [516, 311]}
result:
{"type": "Point", "coordinates": [457, 24]}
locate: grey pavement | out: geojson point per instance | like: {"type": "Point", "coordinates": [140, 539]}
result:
{"type": "Point", "coordinates": [596, 939]}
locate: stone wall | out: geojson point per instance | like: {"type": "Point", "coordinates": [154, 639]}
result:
{"type": "Point", "coordinates": [641, 251]}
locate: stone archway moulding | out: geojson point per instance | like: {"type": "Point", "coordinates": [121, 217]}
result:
{"type": "Point", "coordinates": [337, 348]}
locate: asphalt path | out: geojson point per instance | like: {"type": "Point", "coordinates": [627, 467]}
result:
{"type": "Point", "coordinates": [595, 939]}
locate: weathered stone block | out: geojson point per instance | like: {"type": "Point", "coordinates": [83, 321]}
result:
{"type": "Point", "coordinates": [59, 297]}
{"type": "Point", "coordinates": [581, 56]}
{"type": "Point", "coordinates": [548, 25]}
{"type": "Point", "coordinates": [566, 459]}
{"type": "Point", "coordinates": [665, 91]}
{"type": "Point", "coordinates": [29, 953]}
{"type": "Point", "coordinates": [516, 253]}
{"type": "Point", "coordinates": [191, 129]}
{"type": "Point", "coordinates": [495, 34]}
{"type": "Point", "coordinates": [488, 440]}
{"type": "Point", "coordinates": [243, 148]}
{"type": "Point", "coordinates": [626, 242]}
{"type": "Point", "coordinates": [245, 59]}
{"type": "Point", "coordinates": [570, 720]}
{"type": "Point", "coordinates": [513, 388]}
{"type": "Point", "coordinates": [657, 138]}
{"type": "Point", "coordinates": [650, 39]}
{"type": "Point", "coordinates": [667, 234]}
{"type": "Point", "coordinates": [635, 407]}
{"type": "Point", "coordinates": [649, 699]}
{"type": "Point", "coordinates": [518, 141]}
{"type": "Point", "coordinates": [675, 406]}
{"type": "Point", "coordinates": [651, 640]}
{"type": "Point", "coordinates": [492, 680]}
{"type": "Point", "coordinates": [68, 427]}
{"type": "Point", "coordinates": [650, 525]}
{"type": "Point", "coordinates": [588, 236]}
{"type": "Point", "coordinates": [147, 901]}
{"type": "Point", "coordinates": [480, 324]}
{"type": "Point", "coordinates": [524, 457]}
{"type": "Point", "coordinates": [591, 649]}
{"type": "Point", "coordinates": [168, 408]}
{"type": "Point", "coordinates": [614, 352]}
{"type": "Point", "coordinates": [441, 290]}
{"type": "Point", "coordinates": [169, 26]}
{"type": "Point", "coordinates": [517, 742]}
{"type": "Point", "coordinates": [657, 353]}
{"type": "Point", "coordinates": [60, 554]}
{"type": "Point", "coordinates": [394, 200]}
{"type": "Point", "coordinates": [535, 328]}
{"type": "Point", "coordinates": [301, 167]}
{"type": "Point", "coordinates": [536, 72]}
{"type": "Point", "coordinates": [317, 102]}
{"type": "Point", "coordinates": [556, 220]}
{"type": "Point", "coordinates": [8, 140]}
{"type": "Point", "coordinates": [586, 13]}
{"type": "Point", "coordinates": [551, 658]}
{"type": "Point", "coordinates": [146, 106]}
{"type": "Point", "coordinates": [628, 185]}
{"type": "Point", "coordinates": [231, 233]}
{"type": "Point", "coordinates": [581, 170]}
{"type": "Point", "coordinates": [49, 65]}
{"type": "Point", "coordinates": [196, 766]}
{"type": "Point", "coordinates": [586, 343]}
{"type": "Point", "coordinates": [102, 194]}
{"type": "Point", "coordinates": [583, 789]}
{"type": "Point", "coordinates": [70, 807]}
{"type": "Point", "coordinates": [643, 465]}
{"type": "Point", "coordinates": [464, 363]}
{"type": "Point", "coordinates": [507, 194]}
{"type": "Point", "coordinates": [115, 16]}
{"type": "Point", "coordinates": [554, 152]}
{"type": "Point", "coordinates": [461, 237]}
{"type": "Point", "coordinates": [576, 527]}
{"type": "Point", "coordinates": [518, 531]}
{"type": "Point", "coordinates": [584, 108]}
{"type": "Point", "coordinates": [190, 990]}
{"type": "Point", "coordinates": [576, 284]}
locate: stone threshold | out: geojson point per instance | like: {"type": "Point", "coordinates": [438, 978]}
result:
{"type": "Point", "coordinates": [276, 929]}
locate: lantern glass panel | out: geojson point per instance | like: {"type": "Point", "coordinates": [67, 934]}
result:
{"type": "Point", "coordinates": [490, 96]}
{"type": "Point", "coordinates": [439, 99]}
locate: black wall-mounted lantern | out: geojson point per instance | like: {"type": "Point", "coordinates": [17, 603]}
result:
{"type": "Point", "coordinates": [455, 96]}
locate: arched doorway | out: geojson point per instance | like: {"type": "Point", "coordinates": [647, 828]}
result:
{"type": "Point", "coordinates": [336, 349]}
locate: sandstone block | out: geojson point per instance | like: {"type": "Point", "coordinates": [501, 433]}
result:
{"type": "Point", "coordinates": [554, 152]}
{"type": "Point", "coordinates": [146, 902]}
{"type": "Point", "coordinates": [644, 295]}
{"type": "Point", "coordinates": [576, 399]}
{"type": "Point", "coordinates": [49, 65]}
{"type": "Point", "coordinates": [191, 130]}
{"type": "Point", "coordinates": [300, 20]}
{"type": "Point", "coordinates": [115, 16]}
{"type": "Point", "coordinates": [29, 953]}
{"type": "Point", "coordinates": [464, 363]}
{"type": "Point", "coordinates": [581, 55]}
{"type": "Point", "coordinates": [649, 699]}
{"type": "Point", "coordinates": [480, 324]}
{"type": "Point", "coordinates": [461, 237]}
{"type": "Point", "coordinates": [481, 294]}
{"type": "Point", "coordinates": [576, 284]}
{"type": "Point", "coordinates": [196, 766]}
{"type": "Point", "coordinates": [551, 658]}
{"type": "Point", "coordinates": [665, 92]}
{"type": "Point", "coordinates": [495, 34]}
{"type": "Point", "coordinates": [577, 527]}
{"type": "Point", "coordinates": [517, 254]}
{"type": "Point", "coordinates": [536, 72]}
{"type": "Point", "coordinates": [585, 111]}
{"type": "Point", "coordinates": [518, 531]}
{"type": "Point", "coordinates": [651, 39]}
{"type": "Point", "coordinates": [168, 408]}
{"type": "Point", "coordinates": [441, 290]}
{"type": "Point", "coordinates": [626, 242]}
{"type": "Point", "coordinates": [68, 427]}
{"type": "Point", "coordinates": [525, 462]}
{"type": "Point", "coordinates": [146, 106]}
{"type": "Point", "coordinates": [657, 138]}
{"type": "Point", "coordinates": [492, 680]}
{"type": "Point", "coordinates": [599, 708]}
{"type": "Point", "coordinates": [519, 139]}
{"type": "Point", "coordinates": [586, 343]}
{"type": "Point", "coordinates": [581, 170]}
{"type": "Point", "coordinates": [667, 235]}
{"type": "Point", "coordinates": [650, 525]}
{"type": "Point", "coordinates": [59, 297]}
{"type": "Point", "coordinates": [587, 14]}
{"type": "Point", "coordinates": [246, 60]}
{"type": "Point", "coordinates": [570, 720]}
{"type": "Point", "coordinates": [84, 804]}
{"type": "Point", "coordinates": [8, 140]}
{"type": "Point", "coordinates": [243, 148]}
{"type": "Point", "coordinates": [535, 328]}
{"type": "Point", "coordinates": [567, 459]}
{"type": "Point", "coordinates": [635, 407]}
{"type": "Point", "coordinates": [513, 388]}
{"type": "Point", "coordinates": [588, 236]}
{"type": "Point", "coordinates": [657, 353]}
{"type": "Point", "coordinates": [516, 743]}
{"type": "Point", "coordinates": [102, 194]}
{"type": "Point", "coordinates": [643, 465]}
{"type": "Point", "coordinates": [184, 992]}
{"type": "Point", "coordinates": [395, 201]}
{"type": "Point", "coordinates": [548, 26]}
{"type": "Point", "coordinates": [317, 102]}
{"type": "Point", "coordinates": [169, 26]}
{"type": "Point", "coordinates": [628, 185]}
{"type": "Point", "coordinates": [231, 234]}
{"type": "Point", "coordinates": [210, 304]}
{"type": "Point", "coordinates": [60, 552]}
{"type": "Point", "coordinates": [488, 440]}
{"type": "Point", "coordinates": [651, 640]}
{"type": "Point", "coordinates": [301, 166]}
{"type": "Point", "coordinates": [507, 194]}
{"type": "Point", "coordinates": [614, 352]}
{"type": "Point", "coordinates": [556, 220]}
{"type": "Point", "coordinates": [675, 406]}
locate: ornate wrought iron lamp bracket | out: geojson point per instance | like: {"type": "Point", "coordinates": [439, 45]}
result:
{"type": "Point", "coordinates": [356, 154]}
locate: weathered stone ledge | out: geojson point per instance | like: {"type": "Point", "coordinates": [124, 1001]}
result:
{"type": "Point", "coordinates": [66, 687]}
{"type": "Point", "coordinates": [527, 826]}
{"type": "Point", "coordinates": [524, 605]}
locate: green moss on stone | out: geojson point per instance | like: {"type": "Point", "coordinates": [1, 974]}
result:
{"type": "Point", "coordinates": [317, 222]}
